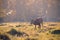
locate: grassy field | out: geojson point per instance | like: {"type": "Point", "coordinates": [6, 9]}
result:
{"type": "Point", "coordinates": [33, 34]}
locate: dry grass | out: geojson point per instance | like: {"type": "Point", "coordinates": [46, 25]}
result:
{"type": "Point", "coordinates": [38, 34]}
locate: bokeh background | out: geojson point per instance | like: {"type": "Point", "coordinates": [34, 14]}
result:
{"type": "Point", "coordinates": [25, 10]}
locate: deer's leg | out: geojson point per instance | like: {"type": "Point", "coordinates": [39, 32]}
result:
{"type": "Point", "coordinates": [42, 24]}
{"type": "Point", "coordinates": [39, 26]}
{"type": "Point", "coordinates": [35, 26]}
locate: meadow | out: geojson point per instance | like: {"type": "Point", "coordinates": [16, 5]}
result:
{"type": "Point", "coordinates": [45, 33]}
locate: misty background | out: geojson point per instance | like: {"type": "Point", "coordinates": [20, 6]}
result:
{"type": "Point", "coordinates": [25, 10]}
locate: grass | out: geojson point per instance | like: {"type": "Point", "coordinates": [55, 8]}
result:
{"type": "Point", "coordinates": [38, 34]}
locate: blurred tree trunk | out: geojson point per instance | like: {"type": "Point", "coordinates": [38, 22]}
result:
{"type": "Point", "coordinates": [2, 12]}
{"type": "Point", "coordinates": [52, 10]}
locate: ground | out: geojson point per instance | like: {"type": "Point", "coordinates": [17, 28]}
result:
{"type": "Point", "coordinates": [33, 34]}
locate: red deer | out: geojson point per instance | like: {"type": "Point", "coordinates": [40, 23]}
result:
{"type": "Point", "coordinates": [38, 21]}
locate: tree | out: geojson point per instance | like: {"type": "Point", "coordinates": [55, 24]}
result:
{"type": "Point", "coordinates": [2, 14]}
